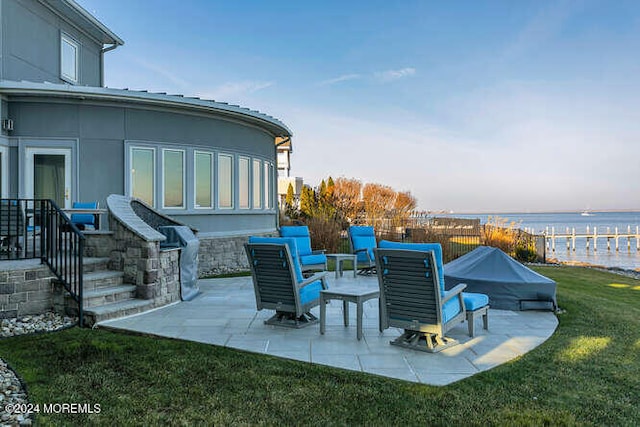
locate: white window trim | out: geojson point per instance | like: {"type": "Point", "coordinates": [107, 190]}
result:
{"type": "Point", "coordinates": [230, 156]}
{"type": "Point", "coordinates": [4, 165]}
{"type": "Point", "coordinates": [195, 183]}
{"type": "Point", "coordinates": [153, 174]}
{"type": "Point", "coordinates": [248, 159]}
{"type": "Point", "coordinates": [68, 39]}
{"type": "Point", "coordinates": [184, 180]}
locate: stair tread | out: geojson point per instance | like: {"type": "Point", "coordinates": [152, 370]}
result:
{"type": "Point", "coordinates": [118, 306]}
{"type": "Point", "coordinates": [103, 274]}
{"type": "Point", "coordinates": [108, 291]}
{"type": "Point", "coordinates": [94, 260]}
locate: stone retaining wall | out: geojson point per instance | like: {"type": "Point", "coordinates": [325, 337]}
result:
{"type": "Point", "coordinates": [25, 291]}
{"type": "Point", "coordinates": [220, 255]}
{"type": "Point", "coordinates": [155, 273]}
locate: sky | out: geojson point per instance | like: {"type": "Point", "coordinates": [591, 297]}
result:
{"type": "Point", "coordinates": [472, 106]}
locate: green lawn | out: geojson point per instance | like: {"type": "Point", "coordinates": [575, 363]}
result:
{"type": "Point", "coordinates": [588, 373]}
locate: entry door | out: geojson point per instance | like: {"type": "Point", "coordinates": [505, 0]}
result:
{"type": "Point", "coordinates": [48, 175]}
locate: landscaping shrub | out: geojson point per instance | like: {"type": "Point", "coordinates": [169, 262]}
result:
{"type": "Point", "coordinates": [325, 233]}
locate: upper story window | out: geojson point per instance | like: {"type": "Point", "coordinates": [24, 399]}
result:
{"type": "Point", "coordinates": [69, 53]}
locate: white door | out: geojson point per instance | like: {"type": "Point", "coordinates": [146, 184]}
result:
{"type": "Point", "coordinates": [48, 175]}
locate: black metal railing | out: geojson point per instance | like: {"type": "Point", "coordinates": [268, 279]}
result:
{"type": "Point", "coordinates": [39, 229]}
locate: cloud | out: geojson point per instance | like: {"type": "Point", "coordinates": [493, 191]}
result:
{"type": "Point", "coordinates": [343, 78]}
{"type": "Point", "coordinates": [390, 75]}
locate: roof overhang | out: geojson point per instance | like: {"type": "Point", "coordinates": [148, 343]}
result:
{"type": "Point", "coordinates": [82, 19]}
{"type": "Point", "coordinates": [235, 112]}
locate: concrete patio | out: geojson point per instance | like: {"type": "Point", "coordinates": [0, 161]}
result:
{"type": "Point", "coordinates": [224, 314]}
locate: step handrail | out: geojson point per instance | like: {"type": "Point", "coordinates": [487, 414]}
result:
{"type": "Point", "coordinates": [63, 252]}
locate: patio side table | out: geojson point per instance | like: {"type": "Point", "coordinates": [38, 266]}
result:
{"type": "Point", "coordinates": [340, 259]}
{"type": "Point", "coordinates": [346, 295]}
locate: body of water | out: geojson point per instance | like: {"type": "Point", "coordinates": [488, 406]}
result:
{"type": "Point", "coordinates": [543, 222]}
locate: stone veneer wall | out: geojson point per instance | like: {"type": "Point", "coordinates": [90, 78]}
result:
{"type": "Point", "coordinates": [155, 272]}
{"type": "Point", "coordinates": [136, 252]}
{"type": "Point", "coordinates": [220, 255]}
{"type": "Point", "coordinates": [25, 291]}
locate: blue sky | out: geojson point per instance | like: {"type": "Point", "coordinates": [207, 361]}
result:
{"type": "Point", "coordinates": [470, 105]}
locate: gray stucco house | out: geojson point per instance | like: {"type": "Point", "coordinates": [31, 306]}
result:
{"type": "Point", "coordinates": [64, 136]}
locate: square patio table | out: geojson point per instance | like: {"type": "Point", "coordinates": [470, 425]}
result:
{"type": "Point", "coordinates": [340, 259]}
{"type": "Point", "coordinates": [349, 294]}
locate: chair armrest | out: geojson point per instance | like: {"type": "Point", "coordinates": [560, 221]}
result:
{"type": "Point", "coordinates": [365, 250]}
{"type": "Point", "coordinates": [456, 291]}
{"type": "Point", "coordinates": [318, 252]}
{"type": "Point", "coordinates": [314, 278]}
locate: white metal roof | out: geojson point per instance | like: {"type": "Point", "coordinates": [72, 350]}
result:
{"type": "Point", "coordinates": [27, 88]}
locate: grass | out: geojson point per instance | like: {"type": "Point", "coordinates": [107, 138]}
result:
{"type": "Point", "coordinates": [587, 373]}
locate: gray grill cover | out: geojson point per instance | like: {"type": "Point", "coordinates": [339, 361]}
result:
{"type": "Point", "coordinates": [180, 236]}
{"type": "Point", "coordinates": [509, 284]}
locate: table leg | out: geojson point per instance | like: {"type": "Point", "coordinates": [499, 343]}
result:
{"type": "Point", "coordinates": [355, 266]}
{"type": "Point", "coordinates": [323, 314]}
{"type": "Point", "coordinates": [359, 318]}
{"type": "Point", "coordinates": [345, 312]}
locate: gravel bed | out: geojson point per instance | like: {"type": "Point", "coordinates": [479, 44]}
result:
{"type": "Point", "coordinates": [12, 391]}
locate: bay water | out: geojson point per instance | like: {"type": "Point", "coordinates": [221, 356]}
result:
{"type": "Point", "coordinates": [540, 223]}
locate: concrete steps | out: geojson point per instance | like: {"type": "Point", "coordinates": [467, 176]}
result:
{"type": "Point", "coordinates": [93, 315]}
{"type": "Point", "coordinates": [105, 295]}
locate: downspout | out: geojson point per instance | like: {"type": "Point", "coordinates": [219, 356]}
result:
{"type": "Point", "coordinates": [102, 52]}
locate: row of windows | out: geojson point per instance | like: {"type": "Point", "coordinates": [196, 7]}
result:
{"type": "Point", "coordinates": [253, 178]}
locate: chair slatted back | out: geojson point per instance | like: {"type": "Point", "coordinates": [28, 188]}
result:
{"type": "Point", "coordinates": [273, 275]}
{"type": "Point", "coordinates": [409, 288]}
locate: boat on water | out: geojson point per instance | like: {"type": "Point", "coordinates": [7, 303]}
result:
{"type": "Point", "coordinates": [586, 212]}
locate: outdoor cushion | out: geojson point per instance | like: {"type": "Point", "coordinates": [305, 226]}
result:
{"type": "Point", "coordinates": [474, 301]}
{"type": "Point", "coordinates": [435, 247]}
{"type": "Point", "coordinates": [313, 259]}
{"type": "Point", "coordinates": [292, 249]}
{"type": "Point", "coordinates": [302, 236]}
{"type": "Point", "coordinates": [310, 292]}
{"type": "Point", "coordinates": [363, 237]}
{"type": "Point", "coordinates": [84, 219]}
{"type": "Point", "coordinates": [450, 309]}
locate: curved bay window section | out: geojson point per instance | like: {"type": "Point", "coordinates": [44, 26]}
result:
{"type": "Point", "coordinates": [197, 181]}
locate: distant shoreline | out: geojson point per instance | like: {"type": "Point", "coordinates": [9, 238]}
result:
{"type": "Point", "coordinates": [576, 211]}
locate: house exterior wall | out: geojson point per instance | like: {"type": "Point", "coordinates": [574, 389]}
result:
{"type": "Point", "coordinates": [31, 45]}
{"type": "Point", "coordinates": [102, 132]}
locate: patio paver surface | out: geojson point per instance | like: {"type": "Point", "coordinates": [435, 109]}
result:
{"type": "Point", "coordinates": [224, 314]}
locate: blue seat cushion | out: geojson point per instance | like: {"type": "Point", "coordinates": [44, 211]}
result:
{"type": "Point", "coordinates": [473, 301]}
{"type": "Point", "coordinates": [301, 234]}
{"type": "Point", "coordinates": [313, 259]}
{"type": "Point", "coordinates": [435, 247]}
{"type": "Point", "coordinates": [450, 309]}
{"type": "Point", "coordinates": [310, 292]}
{"type": "Point", "coordinates": [363, 237]}
{"type": "Point", "coordinates": [84, 219]}
{"type": "Point", "coordinates": [292, 249]}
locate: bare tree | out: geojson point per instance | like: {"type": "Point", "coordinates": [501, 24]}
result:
{"type": "Point", "coordinates": [378, 201]}
{"type": "Point", "coordinates": [347, 198]}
